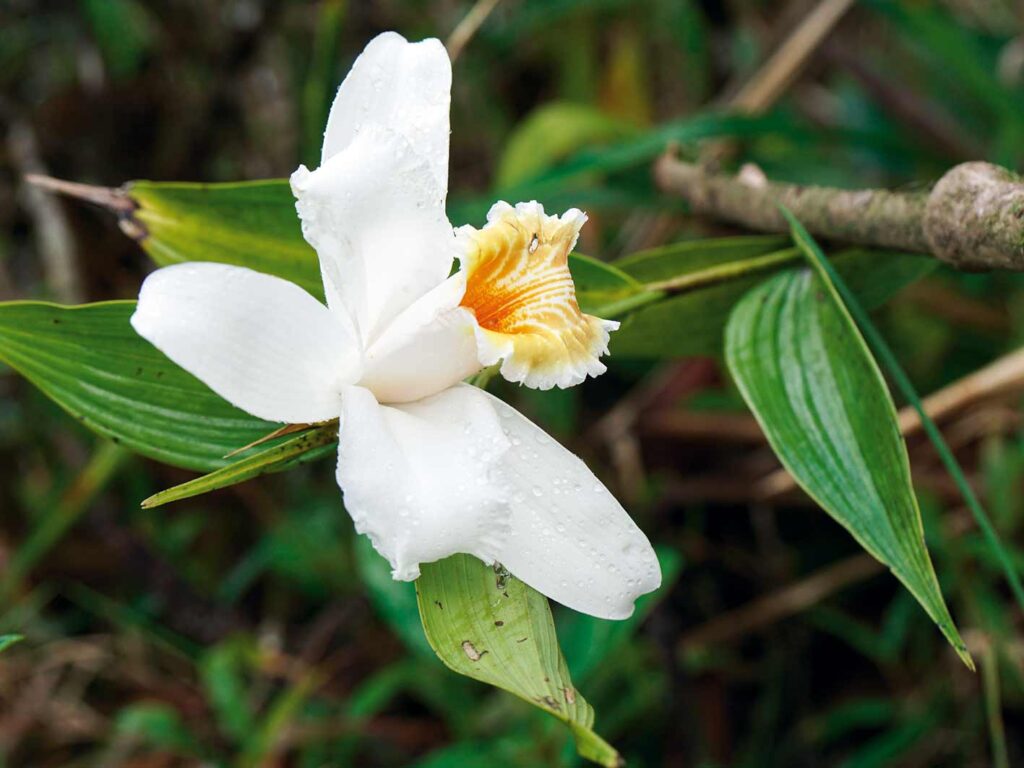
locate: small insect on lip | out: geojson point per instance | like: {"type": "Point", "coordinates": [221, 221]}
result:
{"type": "Point", "coordinates": [471, 652]}
{"type": "Point", "coordinates": [534, 242]}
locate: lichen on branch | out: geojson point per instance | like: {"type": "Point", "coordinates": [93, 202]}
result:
{"type": "Point", "coordinates": [973, 218]}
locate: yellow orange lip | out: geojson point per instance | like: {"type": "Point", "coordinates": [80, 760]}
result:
{"type": "Point", "coordinates": [519, 287]}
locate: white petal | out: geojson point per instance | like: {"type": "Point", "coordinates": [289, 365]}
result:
{"type": "Point", "coordinates": [260, 342]}
{"type": "Point", "coordinates": [375, 215]}
{"type": "Point", "coordinates": [416, 476]}
{"type": "Point", "coordinates": [403, 86]}
{"type": "Point", "coordinates": [426, 349]}
{"type": "Point", "coordinates": [570, 539]}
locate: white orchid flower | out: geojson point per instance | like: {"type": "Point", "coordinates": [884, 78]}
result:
{"type": "Point", "coordinates": [429, 466]}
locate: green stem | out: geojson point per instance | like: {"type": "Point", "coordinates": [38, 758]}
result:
{"type": "Point", "coordinates": [993, 709]}
{"type": "Point", "coordinates": [89, 483]}
{"type": "Point", "coordinates": [729, 271]}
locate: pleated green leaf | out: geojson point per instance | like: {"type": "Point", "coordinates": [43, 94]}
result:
{"type": "Point", "coordinates": [91, 362]}
{"type": "Point", "coordinates": [495, 629]}
{"type": "Point", "coordinates": [806, 373]}
{"type": "Point", "coordinates": [254, 225]}
{"type": "Point", "coordinates": [249, 224]}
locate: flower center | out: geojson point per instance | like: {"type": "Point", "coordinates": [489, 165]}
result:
{"type": "Point", "coordinates": [520, 289]}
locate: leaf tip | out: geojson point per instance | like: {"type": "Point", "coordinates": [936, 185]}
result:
{"type": "Point", "coordinates": [965, 656]}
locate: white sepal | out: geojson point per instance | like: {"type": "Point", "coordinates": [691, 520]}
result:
{"type": "Point", "coordinates": [260, 342]}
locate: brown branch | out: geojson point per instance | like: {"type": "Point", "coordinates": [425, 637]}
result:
{"type": "Point", "coordinates": [973, 218]}
{"type": "Point", "coordinates": [788, 601]}
{"type": "Point", "coordinates": [796, 597]}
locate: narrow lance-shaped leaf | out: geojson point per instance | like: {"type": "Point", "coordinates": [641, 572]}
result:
{"type": "Point", "coordinates": [493, 628]}
{"type": "Point", "coordinates": [91, 362]}
{"type": "Point", "coordinates": [311, 444]}
{"type": "Point", "coordinates": [808, 376]}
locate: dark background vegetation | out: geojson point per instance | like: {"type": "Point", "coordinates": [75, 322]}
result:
{"type": "Point", "coordinates": [238, 628]}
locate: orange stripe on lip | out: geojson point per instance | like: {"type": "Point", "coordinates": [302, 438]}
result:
{"type": "Point", "coordinates": [520, 289]}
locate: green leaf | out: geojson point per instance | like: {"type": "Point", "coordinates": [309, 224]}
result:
{"type": "Point", "coordinates": [571, 183]}
{"type": "Point", "coordinates": [157, 725]}
{"type": "Point", "coordinates": [692, 323]}
{"type": "Point", "coordinates": [307, 446]}
{"type": "Point", "coordinates": [807, 375]}
{"type": "Point", "coordinates": [604, 290]}
{"type": "Point", "coordinates": [223, 670]}
{"type": "Point", "coordinates": [552, 132]}
{"type": "Point", "coordinates": [842, 291]}
{"type": "Point", "coordinates": [91, 362]}
{"type": "Point", "coordinates": [495, 629]}
{"type": "Point", "coordinates": [124, 31]}
{"type": "Point", "coordinates": [250, 224]}
{"type": "Point", "coordinates": [254, 225]}
{"type": "Point", "coordinates": [6, 641]}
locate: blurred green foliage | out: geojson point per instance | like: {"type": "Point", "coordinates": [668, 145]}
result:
{"type": "Point", "coordinates": [251, 627]}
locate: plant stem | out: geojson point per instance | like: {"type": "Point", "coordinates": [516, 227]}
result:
{"type": "Point", "coordinates": [993, 711]}
{"type": "Point", "coordinates": [728, 271]}
{"type": "Point", "coordinates": [90, 482]}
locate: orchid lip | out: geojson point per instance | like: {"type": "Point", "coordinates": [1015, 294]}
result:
{"type": "Point", "coordinates": [521, 291]}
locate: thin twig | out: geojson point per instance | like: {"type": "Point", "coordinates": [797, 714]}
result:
{"type": "Point", "coordinates": [779, 71]}
{"type": "Point", "coordinates": [52, 233]}
{"type": "Point", "coordinates": [783, 66]}
{"type": "Point", "coordinates": [788, 601]}
{"type": "Point", "coordinates": [468, 27]}
{"type": "Point", "coordinates": [796, 597]}
{"type": "Point", "coordinates": [106, 197]}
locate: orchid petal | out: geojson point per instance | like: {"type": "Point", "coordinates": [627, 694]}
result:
{"type": "Point", "coordinates": [569, 537]}
{"type": "Point", "coordinates": [375, 215]}
{"type": "Point", "coordinates": [416, 476]}
{"type": "Point", "coordinates": [260, 342]}
{"type": "Point", "coordinates": [402, 86]}
{"type": "Point", "coordinates": [427, 348]}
